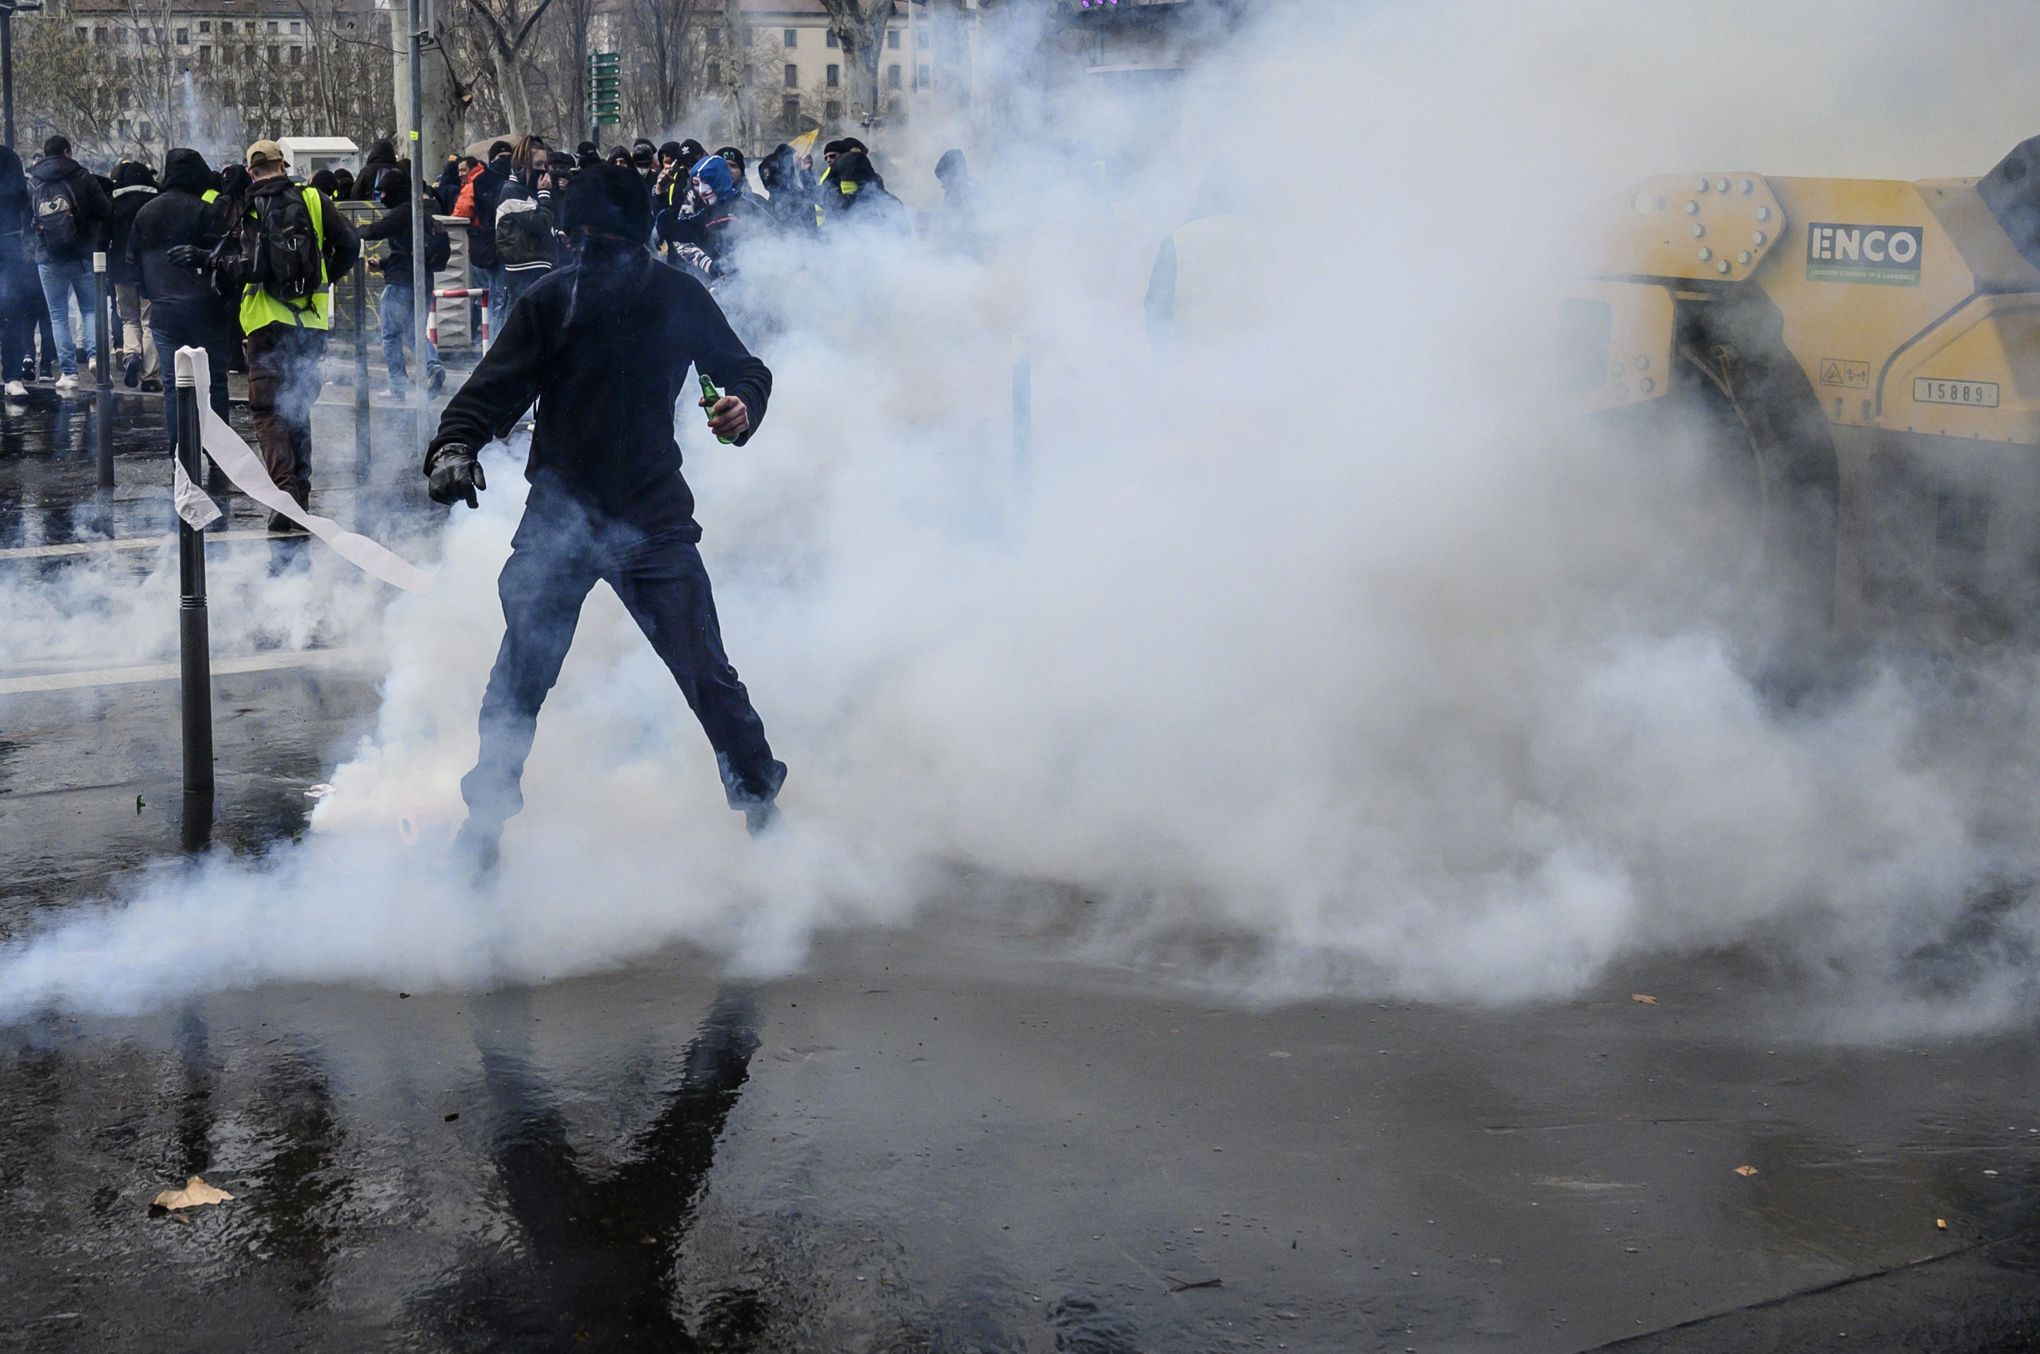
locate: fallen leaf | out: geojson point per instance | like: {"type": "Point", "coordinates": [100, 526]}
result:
{"type": "Point", "coordinates": [195, 1193]}
{"type": "Point", "coordinates": [1941, 1223]}
{"type": "Point", "coordinates": [1745, 1170]}
{"type": "Point", "coordinates": [1643, 998]}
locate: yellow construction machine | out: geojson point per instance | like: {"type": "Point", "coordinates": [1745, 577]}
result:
{"type": "Point", "coordinates": [1869, 352]}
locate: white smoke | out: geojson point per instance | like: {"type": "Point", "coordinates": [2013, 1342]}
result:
{"type": "Point", "coordinates": [1334, 643]}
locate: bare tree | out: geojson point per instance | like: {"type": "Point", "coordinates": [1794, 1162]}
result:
{"type": "Point", "coordinates": [507, 27]}
{"type": "Point", "coordinates": [859, 26]}
{"type": "Point", "coordinates": [671, 61]}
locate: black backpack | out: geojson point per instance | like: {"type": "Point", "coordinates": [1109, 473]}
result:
{"type": "Point", "coordinates": [278, 245]}
{"type": "Point", "coordinates": [438, 246]}
{"type": "Point", "coordinates": [56, 213]}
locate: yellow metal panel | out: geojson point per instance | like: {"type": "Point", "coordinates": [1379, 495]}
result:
{"type": "Point", "coordinates": [1639, 351]}
{"type": "Point", "coordinates": [1713, 226]}
{"type": "Point", "coordinates": [1978, 375]}
{"type": "Point", "coordinates": [1843, 331]}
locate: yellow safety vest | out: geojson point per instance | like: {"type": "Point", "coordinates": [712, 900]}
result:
{"type": "Point", "coordinates": [259, 309]}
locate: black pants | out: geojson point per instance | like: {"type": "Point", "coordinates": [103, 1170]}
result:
{"type": "Point", "coordinates": [183, 324]}
{"type": "Point", "coordinates": [559, 553]}
{"type": "Point", "coordinates": [21, 306]}
{"type": "Point", "coordinates": [284, 380]}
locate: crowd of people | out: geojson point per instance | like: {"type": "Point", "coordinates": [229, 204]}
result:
{"type": "Point", "coordinates": [239, 260]}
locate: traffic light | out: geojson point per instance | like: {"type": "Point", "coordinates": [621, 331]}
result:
{"type": "Point", "coordinates": [605, 90]}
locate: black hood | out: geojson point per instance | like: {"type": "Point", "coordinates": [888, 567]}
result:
{"type": "Point", "coordinates": [13, 184]}
{"type": "Point", "coordinates": [55, 168]}
{"type": "Point", "coordinates": [186, 171]}
{"type": "Point", "coordinates": [134, 174]}
{"type": "Point", "coordinates": [855, 167]}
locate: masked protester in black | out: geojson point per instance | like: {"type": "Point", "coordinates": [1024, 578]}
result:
{"type": "Point", "coordinates": [171, 234]}
{"type": "Point", "coordinates": [607, 499]}
{"type": "Point", "coordinates": [21, 298]}
{"type": "Point", "coordinates": [791, 204]}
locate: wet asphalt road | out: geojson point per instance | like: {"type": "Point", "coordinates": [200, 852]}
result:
{"type": "Point", "coordinates": [958, 1136]}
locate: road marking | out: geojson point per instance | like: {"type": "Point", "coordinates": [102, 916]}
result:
{"type": "Point", "coordinates": [129, 543]}
{"type": "Point", "coordinates": [169, 672]}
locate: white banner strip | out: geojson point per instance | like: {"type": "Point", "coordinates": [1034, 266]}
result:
{"type": "Point", "coordinates": [246, 470]}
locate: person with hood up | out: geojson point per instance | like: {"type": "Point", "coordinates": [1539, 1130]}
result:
{"type": "Point", "coordinates": [285, 318]}
{"type": "Point", "coordinates": [400, 277]}
{"type": "Point", "coordinates": [21, 303]}
{"type": "Point", "coordinates": [587, 155]}
{"type": "Point", "coordinates": [381, 156]}
{"type": "Point", "coordinates": [707, 238]}
{"type": "Point", "coordinates": [446, 191]}
{"type": "Point", "coordinates": [134, 187]}
{"type": "Point", "coordinates": [72, 219]}
{"type": "Point", "coordinates": [604, 346]}
{"type": "Point", "coordinates": [791, 204]}
{"type": "Point", "coordinates": [856, 195]}
{"type": "Point", "coordinates": [644, 158]}
{"type": "Point", "coordinates": [956, 224]}
{"type": "Point", "coordinates": [172, 232]}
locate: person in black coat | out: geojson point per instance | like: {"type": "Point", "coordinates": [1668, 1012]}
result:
{"type": "Point", "coordinates": [172, 231]}
{"type": "Point", "coordinates": [21, 300]}
{"type": "Point", "coordinates": [395, 307]}
{"type": "Point", "coordinates": [854, 194]}
{"type": "Point", "coordinates": [604, 347]}
{"type": "Point", "coordinates": [73, 220]}
{"type": "Point", "coordinates": [134, 186]}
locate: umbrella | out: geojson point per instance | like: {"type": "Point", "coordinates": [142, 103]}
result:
{"type": "Point", "coordinates": [480, 149]}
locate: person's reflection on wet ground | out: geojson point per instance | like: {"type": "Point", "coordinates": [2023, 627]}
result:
{"type": "Point", "coordinates": [593, 1268]}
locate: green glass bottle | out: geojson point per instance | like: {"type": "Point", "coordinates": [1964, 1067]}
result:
{"type": "Point", "coordinates": [709, 395]}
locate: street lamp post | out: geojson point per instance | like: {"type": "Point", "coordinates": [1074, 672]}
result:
{"type": "Point", "coordinates": [8, 9]}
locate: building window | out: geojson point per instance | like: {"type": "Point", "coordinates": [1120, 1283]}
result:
{"type": "Point", "coordinates": [921, 80]}
{"type": "Point", "coordinates": [892, 39]}
{"type": "Point", "coordinates": [272, 25]}
{"type": "Point", "coordinates": [205, 54]}
{"type": "Point", "coordinates": [183, 37]}
{"type": "Point", "coordinates": [275, 54]}
{"type": "Point", "coordinates": [920, 37]}
{"type": "Point", "coordinates": [297, 55]}
{"type": "Point", "coordinates": [296, 26]}
{"type": "Point", "coordinates": [892, 76]}
{"type": "Point", "coordinates": [792, 76]}
{"type": "Point", "coordinates": [832, 41]}
{"type": "Point", "coordinates": [791, 37]}
{"type": "Point", "coordinates": [832, 111]}
{"type": "Point", "coordinates": [714, 39]}
{"type": "Point", "coordinates": [835, 80]}
{"type": "Point", "coordinates": [148, 130]}
{"type": "Point", "coordinates": [205, 25]}
{"type": "Point", "coordinates": [83, 35]}
{"type": "Point", "coordinates": [789, 114]}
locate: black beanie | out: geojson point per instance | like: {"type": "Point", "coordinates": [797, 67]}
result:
{"type": "Point", "coordinates": [609, 200]}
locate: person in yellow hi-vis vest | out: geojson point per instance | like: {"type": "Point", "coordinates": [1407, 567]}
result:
{"type": "Point", "coordinates": [287, 245]}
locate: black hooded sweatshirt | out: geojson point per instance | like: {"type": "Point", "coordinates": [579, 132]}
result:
{"type": "Point", "coordinates": [177, 215]}
{"type": "Point", "coordinates": [134, 186]}
{"type": "Point", "coordinates": [14, 208]}
{"type": "Point", "coordinates": [95, 212]}
{"type": "Point", "coordinates": [604, 346]}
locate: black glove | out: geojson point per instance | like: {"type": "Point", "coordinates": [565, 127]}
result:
{"type": "Point", "coordinates": [188, 256]}
{"type": "Point", "coordinates": [455, 475]}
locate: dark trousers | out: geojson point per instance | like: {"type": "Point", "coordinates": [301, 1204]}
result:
{"type": "Point", "coordinates": [284, 380]}
{"type": "Point", "coordinates": [559, 553]}
{"type": "Point", "coordinates": [21, 306]}
{"type": "Point", "coordinates": [178, 325]}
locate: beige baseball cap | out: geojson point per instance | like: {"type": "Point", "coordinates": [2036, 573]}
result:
{"type": "Point", "coordinates": [263, 152]}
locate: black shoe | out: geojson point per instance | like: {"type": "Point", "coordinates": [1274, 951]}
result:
{"type": "Point", "coordinates": [435, 379]}
{"type": "Point", "coordinates": [131, 372]}
{"type": "Point", "coordinates": [152, 386]}
{"type": "Point", "coordinates": [283, 526]}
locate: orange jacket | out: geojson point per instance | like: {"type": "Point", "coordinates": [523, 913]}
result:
{"type": "Point", "coordinates": [464, 205]}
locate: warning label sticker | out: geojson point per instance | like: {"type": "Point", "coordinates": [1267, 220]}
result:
{"type": "Point", "coordinates": [1840, 371]}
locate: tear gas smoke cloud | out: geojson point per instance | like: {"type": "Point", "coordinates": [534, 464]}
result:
{"type": "Point", "coordinates": [1335, 640]}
